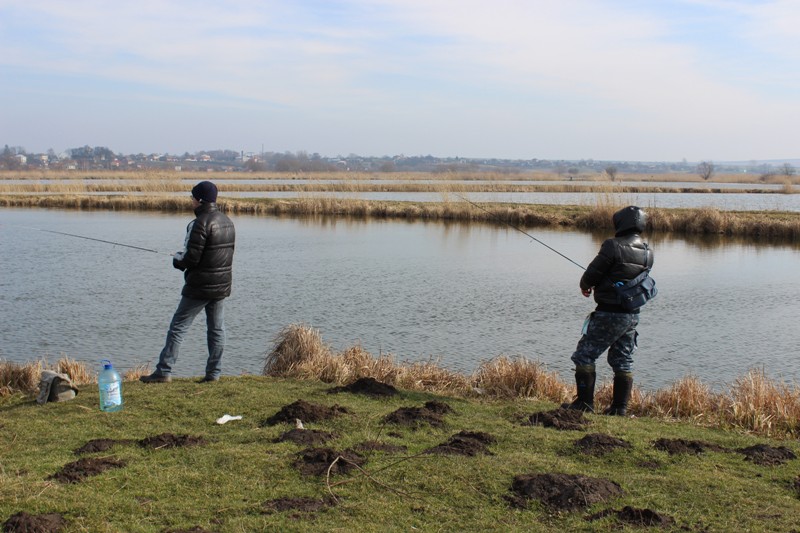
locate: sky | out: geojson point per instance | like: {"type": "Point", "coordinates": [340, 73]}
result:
{"type": "Point", "coordinates": [610, 80]}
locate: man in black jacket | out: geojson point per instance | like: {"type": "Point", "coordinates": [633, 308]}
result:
{"type": "Point", "coordinates": [206, 262]}
{"type": "Point", "coordinates": [611, 327]}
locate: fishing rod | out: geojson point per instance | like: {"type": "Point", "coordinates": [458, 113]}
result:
{"type": "Point", "coordinates": [498, 219]}
{"type": "Point", "coordinates": [98, 240]}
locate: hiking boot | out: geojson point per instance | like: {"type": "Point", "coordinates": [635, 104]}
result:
{"type": "Point", "coordinates": [207, 379]}
{"type": "Point", "coordinates": [155, 377]}
{"type": "Point", "coordinates": [623, 384]}
{"type": "Point", "coordinates": [585, 377]}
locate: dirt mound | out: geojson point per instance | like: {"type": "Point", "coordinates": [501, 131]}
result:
{"type": "Point", "coordinates": [307, 437]}
{"type": "Point", "coordinates": [26, 523]}
{"type": "Point", "coordinates": [83, 468]}
{"type": "Point", "coordinates": [99, 445]}
{"type": "Point", "coordinates": [302, 504]}
{"type": "Point", "coordinates": [765, 455]}
{"type": "Point", "coordinates": [562, 492]}
{"type": "Point", "coordinates": [599, 444]}
{"type": "Point", "coordinates": [414, 417]}
{"type": "Point", "coordinates": [635, 517]}
{"type": "Point", "coordinates": [318, 461]}
{"type": "Point", "coordinates": [369, 386]}
{"type": "Point", "coordinates": [305, 412]}
{"type": "Point", "coordinates": [678, 446]}
{"type": "Point", "coordinates": [440, 408]}
{"type": "Point", "coordinates": [559, 419]}
{"type": "Point", "coordinates": [376, 446]}
{"type": "Point", "coordinates": [469, 443]}
{"type": "Point", "coordinates": [168, 440]}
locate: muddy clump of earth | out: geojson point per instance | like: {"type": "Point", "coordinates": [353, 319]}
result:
{"type": "Point", "coordinates": [82, 468]}
{"type": "Point", "coordinates": [306, 437]}
{"type": "Point", "coordinates": [561, 418]}
{"type": "Point", "coordinates": [300, 506]}
{"type": "Point", "coordinates": [562, 492]}
{"type": "Point", "coordinates": [368, 386]}
{"type": "Point", "coordinates": [432, 414]}
{"type": "Point", "coordinates": [598, 444]}
{"type": "Point", "coordinates": [169, 440]}
{"type": "Point", "coordinates": [377, 446]}
{"type": "Point", "coordinates": [765, 455]}
{"type": "Point", "coordinates": [683, 446]}
{"type": "Point", "coordinates": [635, 517]}
{"type": "Point", "coordinates": [305, 412]}
{"type": "Point", "coordinates": [320, 461]}
{"type": "Point", "coordinates": [100, 445]}
{"type": "Point", "coordinates": [23, 522]}
{"type": "Point", "coordinates": [469, 443]}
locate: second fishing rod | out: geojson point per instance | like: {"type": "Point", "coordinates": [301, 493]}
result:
{"type": "Point", "coordinates": [496, 218]}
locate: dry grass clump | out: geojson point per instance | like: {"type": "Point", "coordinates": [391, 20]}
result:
{"type": "Point", "coordinates": [687, 398]}
{"type": "Point", "coordinates": [759, 404]}
{"type": "Point", "coordinates": [505, 377]}
{"type": "Point", "coordinates": [300, 353]}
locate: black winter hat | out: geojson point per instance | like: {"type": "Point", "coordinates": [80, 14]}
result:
{"type": "Point", "coordinates": [205, 191]}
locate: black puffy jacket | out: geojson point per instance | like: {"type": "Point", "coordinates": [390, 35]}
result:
{"type": "Point", "coordinates": [620, 259]}
{"type": "Point", "coordinates": [208, 259]}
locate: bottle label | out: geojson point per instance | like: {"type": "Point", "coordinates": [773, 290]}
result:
{"type": "Point", "coordinates": [111, 394]}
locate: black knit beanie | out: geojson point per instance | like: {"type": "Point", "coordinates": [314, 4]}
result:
{"type": "Point", "coordinates": [205, 191]}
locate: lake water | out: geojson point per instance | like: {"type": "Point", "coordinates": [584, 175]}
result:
{"type": "Point", "coordinates": [457, 293]}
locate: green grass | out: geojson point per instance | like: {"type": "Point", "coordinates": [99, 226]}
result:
{"type": "Point", "coordinates": [222, 486]}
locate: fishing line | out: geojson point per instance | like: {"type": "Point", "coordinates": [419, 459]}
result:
{"type": "Point", "coordinates": [498, 219]}
{"type": "Point", "coordinates": [97, 240]}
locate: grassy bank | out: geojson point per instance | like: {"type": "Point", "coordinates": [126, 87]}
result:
{"type": "Point", "coordinates": [171, 468]}
{"type": "Point", "coordinates": [780, 226]}
{"type": "Point", "coordinates": [753, 403]}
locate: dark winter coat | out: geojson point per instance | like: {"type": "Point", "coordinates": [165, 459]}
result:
{"type": "Point", "coordinates": [208, 257]}
{"type": "Point", "coordinates": [620, 259]}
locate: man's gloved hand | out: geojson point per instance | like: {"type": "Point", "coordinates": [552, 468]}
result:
{"type": "Point", "coordinates": [178, 256]}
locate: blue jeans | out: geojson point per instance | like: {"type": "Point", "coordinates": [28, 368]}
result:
{"type": "Point", "coordinates": [615, 332]}
{"type": "Point", "coordinates": [188, 309]}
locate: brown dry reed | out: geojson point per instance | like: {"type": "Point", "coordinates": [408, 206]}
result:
{"type": "Point", "coordinates": [753, 402]}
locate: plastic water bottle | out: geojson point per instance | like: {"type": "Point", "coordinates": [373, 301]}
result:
{"type": "Point", "coordinates": [110, 384]}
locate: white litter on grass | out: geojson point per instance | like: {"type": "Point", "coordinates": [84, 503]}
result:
{"type": "Point", "coordinates": [227, 418]}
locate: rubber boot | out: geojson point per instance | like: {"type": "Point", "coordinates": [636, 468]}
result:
{"type": "Point", "coordinates": [623, 384]}
{"type": "Point", "coordinates": [585, 377]}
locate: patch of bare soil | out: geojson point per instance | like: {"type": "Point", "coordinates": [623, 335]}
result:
{"type": "Point", "coordinates": [598, 444]}
{"type": "Point", "coordinates": [368, 386]}
{"type": "Point", "coordinates": [635, 517]}
{"type": "Point", "coordinates": [168, 440]}
{"type": "Point", "coordinates": [100, 445]}
{"type": "Point", "coordinates": [304, 411]}
{"type": "Point", "coordinates": [562, 492]}
{"type": "Point", "coordinates": [376, 446]}
{"type": "Point", "coordinates": [560, 418]}
{"type": "Point", "coordinates": [83, 468]}
{"type": "Point", "coordinates": [301, 504]}
{"type": "Point", "coordinates": [318, 461]}
{"type": "Point", "coordinates": [431, 413]}
{"type": "Point", "coordinates": [26, 523]}
{"type": "Point", "coordinates": [796, 486]}
{"type": "Point", "coordinates": [679, 446]}
{"type": "Point", "coordinates": [469, 443]}
{"type": "Point", "coordinates": [306, 437]}
{"type": "Point", "coordinates": [765, 455]}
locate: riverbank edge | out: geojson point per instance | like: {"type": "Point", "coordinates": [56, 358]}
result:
{"type": "Point", "coordinates": [774, 226]}
{"type": "Point", "coordinates": [754, 403]}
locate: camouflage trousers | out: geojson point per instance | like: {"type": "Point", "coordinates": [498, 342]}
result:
{"type": "Point", "coordinates": [615, 332]}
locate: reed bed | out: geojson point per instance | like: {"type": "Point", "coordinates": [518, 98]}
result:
{"type": "Point", "coordinates": [753, 403]}
{"type": "Point", "coordinates": [777, 226]}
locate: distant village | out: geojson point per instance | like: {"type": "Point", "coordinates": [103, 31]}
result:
{"type": "Point", "coordinates": [88, 158]}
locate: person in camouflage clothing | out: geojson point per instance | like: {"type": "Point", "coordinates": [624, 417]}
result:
{"type": "Point", "coordinates": [611, 327]}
